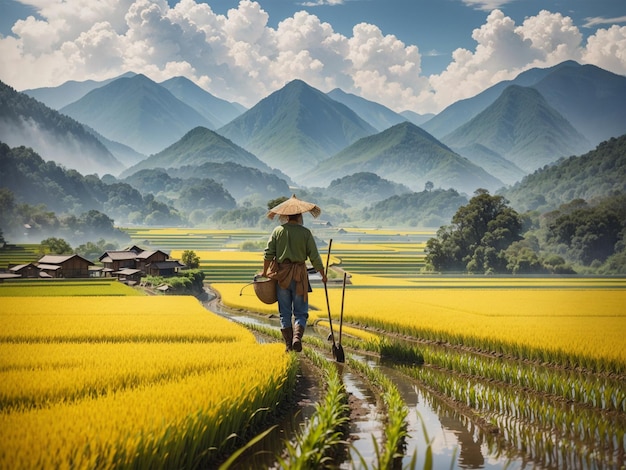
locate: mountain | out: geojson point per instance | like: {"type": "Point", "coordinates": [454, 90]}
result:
{"type": "Point", "coordinates": [241, 181]}
{"type": "Point", "coordinates": [596, 174]}
{"type": "Point", "coordinates": [376, 115]}
{"type": "Point", "coordinates": [462, 111]}
{"type": "Point", "coordinates": [215, 110]}
{"type": "Point", "coordinates": [199, 146]}
{"type": "Point", "coordinates": [523, 128]}
{"type": "Point", "coordinates": [295, 128]}
{"type": "Point", "coordinates": [137, 112]}
{"type": "Point", "coordinates": [415, 118]}
{"type": "Point", "coordinates": [428, 208]}
{"type": "Point", "coordinates": [68, 92]}
{"type": "Point", "coordinates": [123, 153]}
{"type": "Point", "coordinates": [593, 100]}
{"type": "Point", "coordinates": [408, 155]}
{"type": "Point", "coordinates": [25, 121]}
{"type": "Point", "coordinates": [363, 188]}
{"type": "Point", "coordinates": [493, 163]}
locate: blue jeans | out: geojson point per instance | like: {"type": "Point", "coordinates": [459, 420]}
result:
{"type": "Point", "coordinates": [289, 303]}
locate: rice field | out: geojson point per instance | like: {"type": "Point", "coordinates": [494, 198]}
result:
{"type": "Point", "coordinates": [138, 381]}
{"type": "Point", "coordinates": [542, 359]}
{"type": "Point", "coordinates": [65, 288]}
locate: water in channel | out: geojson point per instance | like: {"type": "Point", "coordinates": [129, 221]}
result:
{"type": "Point", "coordinates": [455, 442]}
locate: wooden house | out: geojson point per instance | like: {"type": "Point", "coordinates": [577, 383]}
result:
{"type": "Point", "coordinates": [116, 260]}
{"type": "Point", "coordinates": [164, 268]}
{"type": "Point", "coordinates": [147, 257]}
{"type": "Point", "coordinates": [65, 265]}
{"type": "Point", "coordinates": [29, 270]}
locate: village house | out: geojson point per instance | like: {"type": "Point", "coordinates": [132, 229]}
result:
{"type": "Point", "coordinates": [30, 270]}
{"type": "Point", "coordinates": [64, 266]}
{"type": "Point", "coordinates": [135, 261]}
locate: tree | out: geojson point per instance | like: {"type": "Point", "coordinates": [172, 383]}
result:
{"type": "Point", "coordinates": [56, 246]}
{"type": "Point", "coordinates": [429, 186]}
{"type": "Point", "coordinates": [478, 237]}
{"type": "Point", "coordinates": [190, 259]}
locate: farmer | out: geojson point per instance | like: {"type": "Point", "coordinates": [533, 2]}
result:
{"type": "Point", "coordinates": [288, 248]}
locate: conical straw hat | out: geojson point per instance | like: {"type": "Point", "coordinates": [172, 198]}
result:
{"type": "Point", "coordinates": [293, 206]}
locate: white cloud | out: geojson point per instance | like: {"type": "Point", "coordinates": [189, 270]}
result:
{"type": "Point", "coordinates": [486, 5]}
{"type": "Point", "coordinates": [607, 49]}
{"type": "Point", "coordinates": [594, 21]}
{"type": "Point", "coordinates": [239, 57]}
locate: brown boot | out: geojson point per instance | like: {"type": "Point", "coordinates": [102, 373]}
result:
{"type": "Point", "coordinates": [297, 338]}
{"type": "Point", "coordinates": [288, 336]}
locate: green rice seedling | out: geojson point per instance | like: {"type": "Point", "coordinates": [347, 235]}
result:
{"type": "Point", "coordinates": [318, 444]}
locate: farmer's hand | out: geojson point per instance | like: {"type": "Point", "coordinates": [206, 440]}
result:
{"type": "Point", "coordinates": [324, 278]}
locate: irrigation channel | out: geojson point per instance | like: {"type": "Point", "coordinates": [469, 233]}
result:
{"type": "Point", "coordinates": [456, 441]}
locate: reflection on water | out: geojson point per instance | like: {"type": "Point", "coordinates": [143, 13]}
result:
{"type": "Point", "coordinates": [455, 442]}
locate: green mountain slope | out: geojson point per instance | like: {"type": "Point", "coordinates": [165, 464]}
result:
{"type": "Point", "coordinates": [216, 111]}
{"type": "Point", "coordinates": [378, 116]}
{"type": "Point", "coordinates": [596, 174]}
{"type": "Point", "coordinates": [361, 189]}
{"type": "Point", "coordinates": [296, 127]}
{"type": "Point", "coordinates": [422, 209]}
{"type": "Point", "coordinates": [493, 163]}
{"type": "Point", "coordinates": [408, 155]}
{"type": "Point", "coordinates": [462, 111]}
{"type": "Point", "coordinates": [523, 128]}
{"type": "Point", "coordinates": [136, 112]}
{"type": "Point", "coordinates": [54, 136]}
{"type": "Point", "coordinates": [242, 182]}
{"type": "Point", "coordinates": [592, 99]}
{"type": "Point", "coordinates": [68, 92]}
{"type": "Point", "coordinates": [199, 146]}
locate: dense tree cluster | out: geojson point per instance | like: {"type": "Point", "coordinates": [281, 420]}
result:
{"type": "Point", "coordinates": [26, 222]}
{"type": "Point", "coordinates": [51, 188]}
{"type": "Point", "coordinates": [487, 236]}
{"type": "Point", "coordinates": [595, 174]}
{"type": "Point", "coordinates": [477, 239]}
{"type": "Point", "coordinates": [429, 208]}
{"type": "Point", "coordinates": [588, 234]}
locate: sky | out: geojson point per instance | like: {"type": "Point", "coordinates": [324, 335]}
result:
{"type": "Point", "coordinates": [417, 55]}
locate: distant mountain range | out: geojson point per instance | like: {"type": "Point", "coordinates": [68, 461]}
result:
{"type": "Point", "coordinates": [26, 121]}
{"type": "Point", "coordinates": [521, 127]}
{"type": "Point", "coordinates": [295, 128]}
{"type": "Point", "coordinates": [408, 155]}
{"type": "Point", "coordinates": [199, 146]}
{"type": "Point", "coordinates": [137, 112]}
{"type": "Point", "coordinates": [311, 138]}
{"type": "Point", "coordinates": [593, 100]}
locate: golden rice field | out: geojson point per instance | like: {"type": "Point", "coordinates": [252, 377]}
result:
{"type": "Point", "coordinates": [102, 382]}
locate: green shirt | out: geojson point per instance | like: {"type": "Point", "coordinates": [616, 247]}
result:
{"type": "Point", "coordinates": [294, 242]}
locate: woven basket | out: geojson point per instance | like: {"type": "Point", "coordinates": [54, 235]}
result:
{"type": "Point", "coordinates": [265, 289]}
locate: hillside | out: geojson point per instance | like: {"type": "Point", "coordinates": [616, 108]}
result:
{"type": "Point", "coordinates": [592, 99]}
{"type": "Point", "coordinates": [362, 189]}
{"type": "Point", "coordinates": [68, 92]}
{"type": "Point", "coordinates": [296, 127]}
{"type": "Point", "coordinates": [136, 112]}
{"type": "Point", "coordinates": [421, 209]}
{"type": "Point", "coordinates": [598, 173]}
{"type": "Point", "coordinates": [523, 128]}
{"type": "Point", "coordinates": [462, 111]}
{"type": "Point", "coordinates": [26, 121]}
{"type": "Point", "coordinates": [215, 110]}
{"type": "Point", "coordinates": [196, 147]}
{"type": "Point", "coordinates": [493, 163]}
{"type": "Point", "coordinates": [408, 155]}
{"type": "Point", "coordinates": [242, 182]}
{"type": "Point", "coordinates": [376, 115]}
